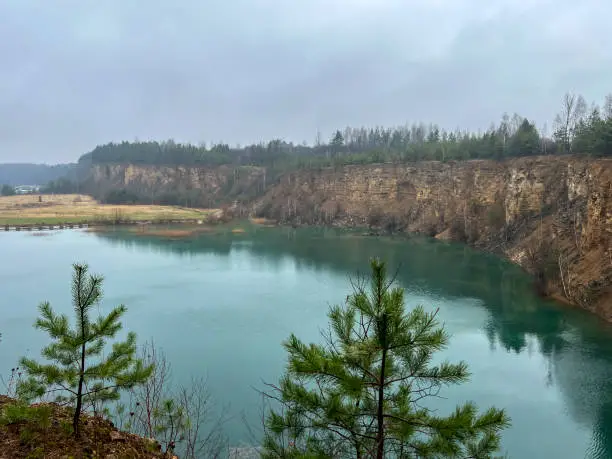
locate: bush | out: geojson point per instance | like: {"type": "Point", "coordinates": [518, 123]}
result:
{"type": "Point", "coordinates": [542, 262]}
{"type": "Point", "coordinates": [18, 411]}
{"type": "Point", "coordinates": [7, 190]}
{"type": "Point", "coordinates": [457, 230]}
{"type": "Point", "coordinates": [473, 233]}
{"type": "Point", "coordinates": [496, 216]}
{"type": "Point", "coordinates": [121, 196]}
{"type": "Point", "coordinates": [180, 418]}
{"type": "Point", "coordinates": [375, 218]}
{"type": "Point", "coordinates": [392, 224]}
{"type": "Point", "coordinates": [60, 186]}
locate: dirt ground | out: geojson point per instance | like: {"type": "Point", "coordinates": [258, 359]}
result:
{"type": "Point", "coordinates": [50, 437]}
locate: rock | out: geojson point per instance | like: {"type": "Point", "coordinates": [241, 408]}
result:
{"type": "Point", "coordinates": [444, 235]}
{"type": "Point", "coordinates": [117, 436]}
{"type": "Point", "coordinates": [244, 452]}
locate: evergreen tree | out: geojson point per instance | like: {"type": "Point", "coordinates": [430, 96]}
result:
{"type": "Point", "coordinates": [359, 394]}
{"type": "Point", "coordinates": [337, 143]}
{"type": "Point", "coordinates": [525, 141]}
{"type": "Point", "coordinates": [7, 190]}
{"type": "Point", "coordinates": [80, 373]}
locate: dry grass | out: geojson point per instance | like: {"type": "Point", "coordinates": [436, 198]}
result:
{"type": "Point", "coordinates": [73, 208]}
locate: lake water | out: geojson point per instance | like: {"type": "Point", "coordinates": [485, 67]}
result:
{"type": "Point", "coordinates": [222, 304]}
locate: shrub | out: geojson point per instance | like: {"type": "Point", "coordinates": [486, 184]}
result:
{"type": "Point", "coordinates": [496, 215]}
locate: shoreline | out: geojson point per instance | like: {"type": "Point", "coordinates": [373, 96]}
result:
{"type": "Point", "coordinates": [25, 212]}
{"type": "Point", "coordinates": [96, 224]}
{"type": "Point", "coordinates": [194, 227]}
{"type": "Point", "coordinates": [551, 293]}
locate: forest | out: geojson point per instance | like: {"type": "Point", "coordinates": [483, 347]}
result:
{"type": "Point", "coordinates": [578, 129]}
{"type": "Point", "coordinates": [14, 174]}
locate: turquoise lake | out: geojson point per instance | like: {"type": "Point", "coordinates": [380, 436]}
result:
{"type": "Point", "coordinates": [221, 304]}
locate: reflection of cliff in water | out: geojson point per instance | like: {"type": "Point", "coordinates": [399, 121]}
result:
{"type": "Point", "coordinates": [583, 371]}
{"type": "Point", "coordinates": [577, 346]}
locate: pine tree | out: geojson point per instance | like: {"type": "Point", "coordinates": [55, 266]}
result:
{"type": "Point", "coordinates": [359, 394]}
{"type": "Point", "coordinates": [337, 143]}
{"type": "Point", "coordinates": [80, 373]}
{"type": "Point", "coordinates": [7, 190]}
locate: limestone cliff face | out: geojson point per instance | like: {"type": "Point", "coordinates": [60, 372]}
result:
{"type": "Point", "coordinates": [551, 215]}
{"type": "Point", "coordinates": [208, 186]}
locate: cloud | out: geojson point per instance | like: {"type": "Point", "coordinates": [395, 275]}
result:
{"type": "Point", "coordinates": [79, 73]}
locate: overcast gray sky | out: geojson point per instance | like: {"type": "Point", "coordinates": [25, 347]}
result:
{"type": "Point", "coordinates": [77, 73]}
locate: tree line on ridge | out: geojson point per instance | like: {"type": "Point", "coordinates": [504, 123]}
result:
{"type": "Point", "coordinates": [577, 129]}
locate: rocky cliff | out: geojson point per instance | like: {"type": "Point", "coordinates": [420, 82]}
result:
{"type": "Point", "coordinates": [201, 186]}
{"type": "Point", "coordinates": [551, 215]}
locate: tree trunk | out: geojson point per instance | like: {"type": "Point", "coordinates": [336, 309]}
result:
{"type": "Point", "coordinates": [380, 435]}
{"type": "Point", "coordinates": [77, 411]}
{"type": "Point", "coordinates": [79, 404]}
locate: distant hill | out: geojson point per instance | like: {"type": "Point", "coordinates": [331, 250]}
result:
{"type": "Point", "coordinates": [33, 174]}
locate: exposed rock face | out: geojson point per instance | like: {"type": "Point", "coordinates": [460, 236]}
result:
{"type": "Point", "coordinates": [209, 186]}
{"type": "Point", "coordinates": [551, 215]}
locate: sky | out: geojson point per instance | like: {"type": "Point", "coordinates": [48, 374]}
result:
{"type": "Point", "coordinates": [78, 73]}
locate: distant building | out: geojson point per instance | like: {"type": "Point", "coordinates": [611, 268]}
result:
{"type": "Point", "coordinates": [27, 189]}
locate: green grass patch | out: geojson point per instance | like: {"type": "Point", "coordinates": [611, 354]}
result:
{"type": "Point", "coordinates": [13, 413]}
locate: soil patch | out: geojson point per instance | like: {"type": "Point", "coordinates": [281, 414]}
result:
{"type": "Point", "coordinates": [48, 434]}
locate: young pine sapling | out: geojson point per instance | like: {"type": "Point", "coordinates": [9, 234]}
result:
{"type": "Point", "coordinates": [78, 373]}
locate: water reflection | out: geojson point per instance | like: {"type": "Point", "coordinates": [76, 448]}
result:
{"type": "Point", "coordinates": [577, 347]}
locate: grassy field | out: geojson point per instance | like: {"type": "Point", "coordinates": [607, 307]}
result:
{"type": "Point", "coordinates": [74, 208]}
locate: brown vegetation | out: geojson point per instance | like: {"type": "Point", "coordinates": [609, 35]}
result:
{"type": "Point", "coordinates": [181, 418]}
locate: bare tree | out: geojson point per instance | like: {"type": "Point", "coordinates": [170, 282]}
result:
{"type": "Point", "coordinates": [147, 400]}
{"type": "Point", "coordinates": [515, 123]}
{"type": "Point", "coordinates": [318, 141]}
{"type": "Point", "coordinates": [544, 139]}
{"type": "Point", "coordinates": [607, 107]}
{"type": "Point", "coordinates": [563, 120]}
{"type": "Point", "coordinates": [573, 110]}
{"type": "Point", "coordinates": [198, 406]}
{"type": "Point", "coordinates": [580, 110]}
{"type": "Point", "coordinates": [182, 419]}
